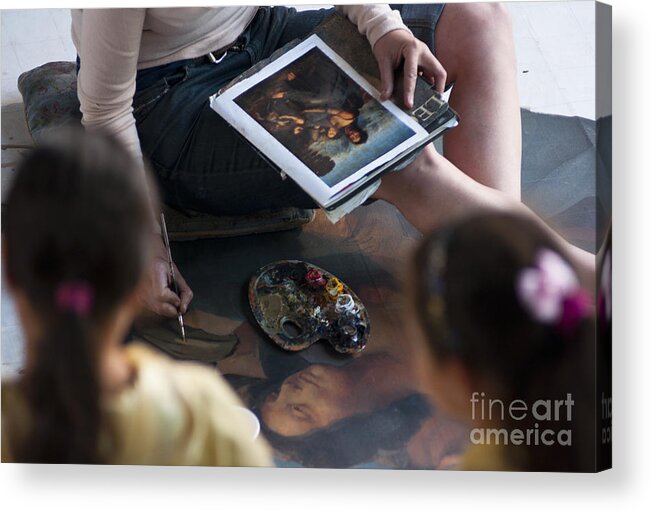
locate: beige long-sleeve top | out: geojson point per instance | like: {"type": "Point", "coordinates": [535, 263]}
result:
{"type": "Point", "coordinates": [113, 44]}
{"type": "Point", "coordinates": [174, 413]}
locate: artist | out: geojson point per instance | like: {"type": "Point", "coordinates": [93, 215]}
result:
{"type": "Point", "coordinates": [146, 74]}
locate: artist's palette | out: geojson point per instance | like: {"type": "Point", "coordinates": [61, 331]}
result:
{"type": "Point", "coordinates": [297, 304]}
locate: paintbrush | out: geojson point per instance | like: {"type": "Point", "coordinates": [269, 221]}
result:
{"type": "Point", "coordinates": [175, 286]}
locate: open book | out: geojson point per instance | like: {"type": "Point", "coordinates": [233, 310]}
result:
{"type": "Point", "coordinates": [313, 110]}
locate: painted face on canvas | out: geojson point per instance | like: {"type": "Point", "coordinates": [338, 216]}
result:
{"type": "Point", "coordinates": [307, 400]}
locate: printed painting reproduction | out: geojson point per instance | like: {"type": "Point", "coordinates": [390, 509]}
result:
{"type": "Point", "coordinates": [323, 117]}
{"type": "Point", "coordinates": [341, 280]}
{"type": "Point", "coordinates": [318, 120]}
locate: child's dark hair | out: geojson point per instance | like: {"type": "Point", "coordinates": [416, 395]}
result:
{"type": "Point", "coordinates": [77, 227]}
{"type": "Point", "coordinates": [465, 296]}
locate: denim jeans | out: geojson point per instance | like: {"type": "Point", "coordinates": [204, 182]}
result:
{"type": "Point", "coordinates": [201, 162]}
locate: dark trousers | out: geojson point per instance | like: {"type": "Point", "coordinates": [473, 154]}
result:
{"type": "Point", "coordinates": [200, 161]}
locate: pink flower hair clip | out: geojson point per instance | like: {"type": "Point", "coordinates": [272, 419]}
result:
{"type": "Point", "coordinates": [550, 291]}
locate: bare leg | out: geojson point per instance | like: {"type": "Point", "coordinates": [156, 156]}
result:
{"type": "Point", "coordinates": [474, 43]}
{"type": "Point", "coordinates": [432, 192]}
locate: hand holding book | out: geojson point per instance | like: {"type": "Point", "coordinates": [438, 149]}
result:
{"type": "Point", "coordinates": [315, 110]}
{"type": "Point", "coordinates": [401, 47]}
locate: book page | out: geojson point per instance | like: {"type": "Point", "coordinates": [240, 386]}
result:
{"type": "Point", "coordinates": [318, 120]}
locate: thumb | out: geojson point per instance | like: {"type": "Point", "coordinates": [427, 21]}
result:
{"type": "Point", "coordinates": [386, 77]}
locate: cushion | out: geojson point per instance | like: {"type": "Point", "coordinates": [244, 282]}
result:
{"type": "Point", "coordinates": [183, 225]}
{"type": "Point", "coordinates": [50, 97]}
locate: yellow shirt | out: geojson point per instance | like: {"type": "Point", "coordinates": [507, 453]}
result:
{"type": "Point", "coordinates": [485, 457]}
{"type": "Point", "coordinates": [174, 413]}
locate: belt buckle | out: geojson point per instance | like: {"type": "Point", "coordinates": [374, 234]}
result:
{"type": "Point", "coordinates": [215, 60]}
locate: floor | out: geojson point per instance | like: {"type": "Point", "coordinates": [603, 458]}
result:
{"type": "Point", "coordinates": [556, 65]}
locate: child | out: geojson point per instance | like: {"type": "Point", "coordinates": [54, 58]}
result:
{"type": "Point", "coordinates": [510, 343]}
{"type": "Point", "coordinates": [77, 234]}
